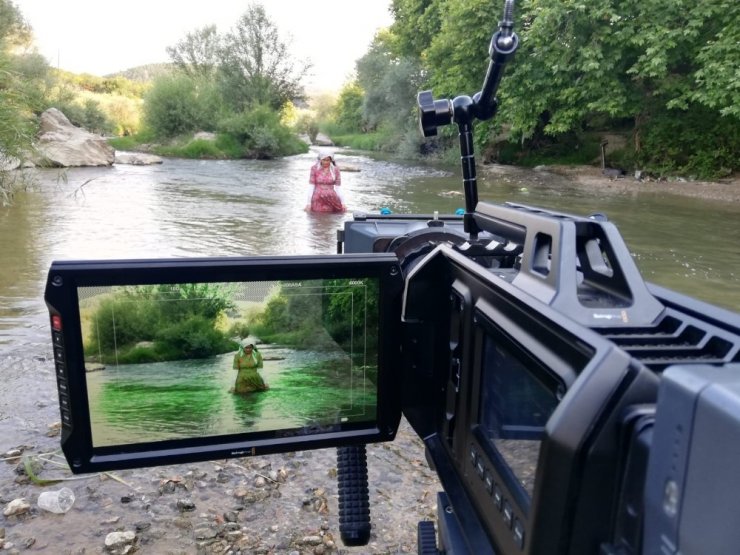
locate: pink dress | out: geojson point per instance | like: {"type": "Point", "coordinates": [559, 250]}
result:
{"type": "Point", "coordinates": [325, 197]}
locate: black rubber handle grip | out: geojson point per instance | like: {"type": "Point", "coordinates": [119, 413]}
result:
{"type": "Point", "coordinates": [354, 501]}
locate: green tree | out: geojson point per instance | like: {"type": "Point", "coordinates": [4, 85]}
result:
{"type": "Point", "coordinates": [178, 104]}
{"type": "Point", "coordinates": [16, 124]}
{"type": "Point", "coordinates": [199, 54]}
{"type": "Point", "coordinates": [390, 84]}
{"type": "Point", "coordinates": [256, 65]}
{"type": "Point", "coordinates": [649, 62]}
{"type": "Point", "coordinates": [348, 108]}
{"type": "Point", "coordinates": [416, 23]}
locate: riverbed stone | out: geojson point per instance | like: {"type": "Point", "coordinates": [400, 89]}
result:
{"type": "Point", "coordinates": [137, 159]}
{"type": "Point", "coordinates": [17, 507]}
{"type": "Point", "coordinates": [61, 144]}
{"type": "Point", "coordinates": [118, 540]}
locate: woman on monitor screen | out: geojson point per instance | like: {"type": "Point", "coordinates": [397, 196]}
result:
{"type": "Point", "coordinates": [247, 361]}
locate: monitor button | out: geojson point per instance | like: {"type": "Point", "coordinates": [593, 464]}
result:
{"type": "Point", "coordinates": [518, 533]}
{"type": "Point", "coordinates": [508, 514]}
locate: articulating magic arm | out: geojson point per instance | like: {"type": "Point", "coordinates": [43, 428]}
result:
{"type": "Point", "coordinates": [463, 110]}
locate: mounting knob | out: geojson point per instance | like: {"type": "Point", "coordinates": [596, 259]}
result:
{"type": "Point", "coordinates": [433, 113]}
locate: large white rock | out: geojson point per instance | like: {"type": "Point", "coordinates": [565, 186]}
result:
{"type": "Point", "coordinates": [137, 158]}
{"type": "Point", "coordinates": [62, 144]}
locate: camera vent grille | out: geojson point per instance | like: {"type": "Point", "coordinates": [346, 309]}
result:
{"type": "Point", "coordinates": [676, 339]}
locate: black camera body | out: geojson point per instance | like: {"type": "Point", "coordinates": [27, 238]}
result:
{"type": "Point", "coordinates": [561, 399]}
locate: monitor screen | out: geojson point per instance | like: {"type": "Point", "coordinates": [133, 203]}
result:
{"type": "Point", "coordinates": [168, 361]}
{"type": "Point", "coordinates": [190, 360]}
{"type": "Point", "coordinates": [519, 397]}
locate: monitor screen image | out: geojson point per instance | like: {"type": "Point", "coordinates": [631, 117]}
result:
{"type": "Point", "coordinates": [269, 359]}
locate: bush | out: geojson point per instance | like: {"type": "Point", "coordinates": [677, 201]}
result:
{"type": "Point", "coordinates": [671, 144]}
{"type": "Point", "coordinates": [195, 338]}
{"type": "Point", "coordinates": [261, 134]}
{"type": "Point", "coordinates": [171, 107]}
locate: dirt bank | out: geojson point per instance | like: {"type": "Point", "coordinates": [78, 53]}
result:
{"type": "Point", "coordinates": [725, 190]}
{"type": "Point", "coordinates": [285, 504]}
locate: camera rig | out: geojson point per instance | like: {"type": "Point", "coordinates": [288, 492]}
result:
{"type": "Point", "coordinates": [566, 405]}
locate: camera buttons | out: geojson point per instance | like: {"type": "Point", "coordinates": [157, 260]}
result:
{"type": "Point", "coordinates": [473, 456]}
{"type": "Point", "coordinates": [489, 483]}
{"type": "Point", "coordinates": [498, 497]}
{"type": "Point", "coordinates": [519, 533]}
{"type": "Point", "coordinates": [508, 513]}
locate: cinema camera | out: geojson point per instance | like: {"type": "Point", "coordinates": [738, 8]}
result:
{"type": "Point", "coordinates": [566, 405]}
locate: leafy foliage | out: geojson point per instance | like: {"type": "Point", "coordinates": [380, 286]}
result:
{"type": "Point", "coordinates": [178, 104]}
{"type": "Point", "coordinates": [256, 65]}
{"type": "Point", "coordinates": [159, 322]}
{"type": "Point", "coordinates": [16, 97]}
{"type": "Point", "coordinates": [580, 68]}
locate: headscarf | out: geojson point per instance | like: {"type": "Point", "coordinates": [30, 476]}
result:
{"type": "Point", "coordinates": [327, 153]}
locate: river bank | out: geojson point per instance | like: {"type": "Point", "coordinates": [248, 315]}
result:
{"type": "Point", "coordinates": [284, 503]}
{"type": "Point", "coordinates": [589, 177]}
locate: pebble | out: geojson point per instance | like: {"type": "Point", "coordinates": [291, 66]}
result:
{"type": "Point", "coordinates": [116, 540]}
{"type": "Point", "coordinates": [184, 505]}
{"type": "Point", "coordinates": [17, 507]}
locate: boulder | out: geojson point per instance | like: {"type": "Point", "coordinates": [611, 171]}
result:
{"type": "Point", "coordinates": [8, 163]}
{"type": "Point", "coordinates": [61, 144]}
{"type": "Point", "coordinates": [137, 158]}
{"type": "Point", "coordinates": [323, 140]}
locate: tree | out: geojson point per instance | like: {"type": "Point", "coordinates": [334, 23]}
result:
{"type": "Point", "coordinates": [416, 23]}
{"type": "Point", "coordinates": [15, 116]}
{"type": "Point", "coordinates": [256, 65]}
{"type": "Point", "coordinates": [199, 53]}
{"type": "Point", "coordinates": [390, 84]}
{"type": "Point", "coordinates": [171, 107]}
{"type": "Point", "coordinates": [646, 61]}
{"type": "Point", "coordinates": [348, 109]}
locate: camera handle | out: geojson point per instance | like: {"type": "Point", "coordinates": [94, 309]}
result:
{"type": "Point", "coordinates": [463, 110]}
{"type": "Point", "coordinates": [354, 502]}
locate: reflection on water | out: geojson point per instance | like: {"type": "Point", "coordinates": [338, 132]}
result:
{"type": "Point", "coordinates": [137, 403]}
{"type": "Point", "coordinates": [248, 207]}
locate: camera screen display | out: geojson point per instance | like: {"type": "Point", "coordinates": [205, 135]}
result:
{"type": "Point", "coordinates": [193, 360]}
{"type": "Point", "coordinates": [518, 403]}
{"type": "Point", "coordinates": [166, 361]}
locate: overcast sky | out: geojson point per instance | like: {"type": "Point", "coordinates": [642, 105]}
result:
{"type": "Point", "coordinates": [101, 37]}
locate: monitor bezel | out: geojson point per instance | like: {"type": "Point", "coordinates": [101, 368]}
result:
{"type": "Point", "coordinates": [65, 277]}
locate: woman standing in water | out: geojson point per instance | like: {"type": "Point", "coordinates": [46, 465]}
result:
{"type": "Point", "coordinates": [325, 179]}
{"type": "Point", "coordinates": [247, 361]}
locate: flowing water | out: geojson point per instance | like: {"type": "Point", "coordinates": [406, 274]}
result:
{"type": "Point", "coordinates": [224, 208]}
{"type": "Point", "coordinates": [227, 208]}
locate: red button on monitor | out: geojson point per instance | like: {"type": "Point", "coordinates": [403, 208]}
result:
{"type": "Point", "coordinates": [56, 322]}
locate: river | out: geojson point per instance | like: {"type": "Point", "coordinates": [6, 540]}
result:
{"type": "Point", "coordinates": [225, 208]}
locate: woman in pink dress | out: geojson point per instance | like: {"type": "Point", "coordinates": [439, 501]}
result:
{"type": "Point", "coordinates": [325, 179]}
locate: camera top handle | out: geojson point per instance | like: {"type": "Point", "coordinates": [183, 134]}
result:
{"type": "Point", "coordinates": [463, 110]}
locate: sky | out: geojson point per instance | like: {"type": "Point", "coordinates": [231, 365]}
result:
{"type": "Point", "coordinates": [100, 37]}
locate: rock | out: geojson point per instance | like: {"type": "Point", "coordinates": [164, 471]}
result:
{"type": "Point", "coordinates": [184, 505]}
{"type": "Point", "coordinates": [118, 540]}
{"type": "Point", "coordinates": [204, 136]}
{"type": "Point", "coordinates": [62, 144]}
{"type": "Point", "coordinates": [348, 168]}
{"type": "Point", "coordinates": [323, 140]}
{"type": "Point", "coordinates": [17, 507]}
{"type": "Point", "coordinates": [94, 367]}
{"type": "Point", "coordinates": [8, 163]}
{"type": "Point", "coordinates": [137, 159]}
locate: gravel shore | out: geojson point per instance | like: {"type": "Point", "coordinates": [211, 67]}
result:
{"type": "Point", "coordinates": [723, 190]}
{"type": "Point", "coordinates": [270, 504]}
